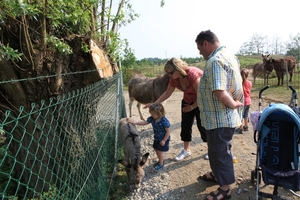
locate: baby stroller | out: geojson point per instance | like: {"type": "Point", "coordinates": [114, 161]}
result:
{"type": "Point", "coordinates": [276, 133]}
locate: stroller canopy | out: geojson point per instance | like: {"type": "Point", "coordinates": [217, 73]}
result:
{"type": "Point", "coordinates": [280, 112]}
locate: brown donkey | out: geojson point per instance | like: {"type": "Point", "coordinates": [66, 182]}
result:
{"type": "Point", "coordinates": [146, 90]}
{"type": "Point", "coordinates": [133, 161]}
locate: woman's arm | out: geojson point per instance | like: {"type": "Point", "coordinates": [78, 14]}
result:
{"type": "Point", "coordinates": [195, 85]}
{"type": "Point", "coordinates": [188, 108]}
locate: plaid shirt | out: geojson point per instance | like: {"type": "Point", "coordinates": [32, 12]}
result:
{"type": "Point", "coordinates": [222, 72]}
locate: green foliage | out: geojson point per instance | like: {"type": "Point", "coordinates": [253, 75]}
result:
{"type": "Point", "coordinates": [129, 57]}
{"type": "Point", "coordinates": [70, 16]}
{"type": "Point", "coordinates": [58, 45]}
{"type": "Point", "coordinates": [249, 61]}
{"type": "Point", "coordinates": [193, 60]}
{"type": "Point", "coordinates": [151, 62]}
{"type": "Point", "coordinates": [293, 47]}
{"type": "Point", "coordinates": [84, 47]}
{"type": "Point", "coordinates": [127, 16]}
{"type": "Point", "coordinates": [17, 8]}
{"type": "Point", "coordinates": [159, 61]}
{"type": "Point", "coordinates": [258, 44]}
{"type": "Point", "coordinates": [115, 46]}
{"type": "Point", "coordinates": [9, 53]}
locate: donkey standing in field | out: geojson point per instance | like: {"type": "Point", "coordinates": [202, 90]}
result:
{"type": "Point", "coordinates": [267, 68]}
{"type": "Point", "coordinates": [146, 90]}
{"type": "Point", "coordinates": [281, 66]}
{"type": "Point", "coordinates": [258, 69]}
{"type": "Point", "coordinates": [132, 154]}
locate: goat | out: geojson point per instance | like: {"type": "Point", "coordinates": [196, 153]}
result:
{"type": "Point", "coordinates": [281, 66]}
{"type": "Point", "coordinates": [130, 139]}
{"type": "Point", "coordinates": [146, 90]}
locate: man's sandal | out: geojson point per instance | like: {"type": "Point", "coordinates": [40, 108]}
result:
{"type": "Point", "coordinates": [225, 195]}
{"type": "Point", "coordinates": [205, 177]}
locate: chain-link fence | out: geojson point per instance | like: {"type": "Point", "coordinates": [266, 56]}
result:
{"type": "Point", "coordinates": [64, 148]}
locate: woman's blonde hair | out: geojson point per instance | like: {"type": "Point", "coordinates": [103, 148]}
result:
{"type": "Point", "coordinates": [176, 64]}
{"type": "Point", "coordinates": [158, 109]}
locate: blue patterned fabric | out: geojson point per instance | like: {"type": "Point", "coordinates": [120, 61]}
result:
{"type": "Point", "coordinates": [159, 128]}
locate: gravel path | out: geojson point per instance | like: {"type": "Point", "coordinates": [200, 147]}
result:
{"type": "Point", "coordinates": [178, 180]}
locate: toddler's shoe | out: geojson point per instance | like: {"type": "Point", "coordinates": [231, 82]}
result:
{"type": "Point", "coordinates": [155, 164]}
{"type": "Point", "coordinates": [183, 154]}
{"type": "Point", "coordinates": [158, 167]}
{"type": "Point", "coordinates": [245, 128]}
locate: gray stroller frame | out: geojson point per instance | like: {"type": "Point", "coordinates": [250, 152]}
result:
{"type": "Point", "coordinates": [276, 134]}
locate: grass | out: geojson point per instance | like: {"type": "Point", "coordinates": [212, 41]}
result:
{"type": "Point", "coordinates": [247, 61]}
{"type": "Point", "coordinates": [275, 94]}
{"type": "Point", "coordinates": [119, 191]}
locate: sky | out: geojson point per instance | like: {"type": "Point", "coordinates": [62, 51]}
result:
{"type": "Point", "coordinates": [171, 31]}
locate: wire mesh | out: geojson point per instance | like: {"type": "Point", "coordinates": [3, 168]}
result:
{"type": "Point", "coordinates": [65, 147]}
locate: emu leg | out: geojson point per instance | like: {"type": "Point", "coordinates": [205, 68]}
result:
{"type": "Point", "coordinates": [138, 105]}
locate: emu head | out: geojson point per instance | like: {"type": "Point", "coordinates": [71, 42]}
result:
{"type": "Point", "coordinates": [135, 171]}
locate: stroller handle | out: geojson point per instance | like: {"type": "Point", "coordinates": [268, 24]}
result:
{"type": "Point", "coordinates": [259, 96]}
{"type": "Point", "coordinates": [261, 91]}
{"type": "Point", "coordinates": [293, 91]}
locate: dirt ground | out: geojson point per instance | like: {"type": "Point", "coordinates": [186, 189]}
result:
{"type": "Point", "coordinates": [183, 174]}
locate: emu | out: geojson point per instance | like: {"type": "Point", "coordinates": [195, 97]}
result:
{"type": "Point", "coordinates": [146, 90]}
{"type": "Point", "coordinates": [132, 160]}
